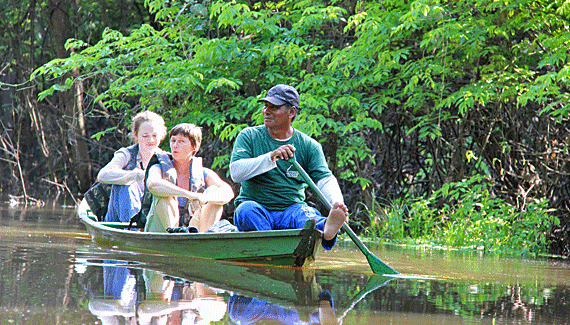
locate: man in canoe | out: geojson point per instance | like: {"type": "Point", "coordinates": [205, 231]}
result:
{"type": "Point", "coordinates": [183, 191]}
{"type": "Point", "coordinates": [272, 194]}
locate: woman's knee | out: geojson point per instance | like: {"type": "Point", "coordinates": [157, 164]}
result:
{"type": "Point", "coordinates": [169, 202]}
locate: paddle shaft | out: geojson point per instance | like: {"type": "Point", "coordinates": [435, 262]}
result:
{"type": "Point", "coordinates": [376, 264]}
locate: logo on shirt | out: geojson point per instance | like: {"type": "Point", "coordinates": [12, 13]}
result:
{"type": "Point", "coordinates": [291, 172]}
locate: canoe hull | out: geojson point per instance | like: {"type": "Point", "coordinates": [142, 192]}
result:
{"type": "Point", "coordinates": [294, 247]}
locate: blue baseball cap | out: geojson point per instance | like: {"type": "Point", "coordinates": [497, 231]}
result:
{"type": "Point", "coordinates": [282, 94]}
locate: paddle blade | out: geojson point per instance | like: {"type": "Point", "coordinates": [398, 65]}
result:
{"type": "Point", "coordinates": [379, 267]}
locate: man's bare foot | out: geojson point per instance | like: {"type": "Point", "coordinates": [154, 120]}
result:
{"type": "Point", "coordinates": [338, 215]}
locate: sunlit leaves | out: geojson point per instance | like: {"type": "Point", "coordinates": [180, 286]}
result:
{"type": "Point", "coordinates": [221, 83]}
{"type": "Point", "coordinates": [427, 63]}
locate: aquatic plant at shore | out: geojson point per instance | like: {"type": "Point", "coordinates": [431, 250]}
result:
{"type": "Point", "coordinates": [466, 214]}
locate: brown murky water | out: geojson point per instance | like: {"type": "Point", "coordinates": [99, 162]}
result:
{"type": "Point", "coordinates": [51, 273]}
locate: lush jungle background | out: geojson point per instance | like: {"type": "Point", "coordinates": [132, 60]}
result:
{"type": "Point", "coordinates": [446, 122]}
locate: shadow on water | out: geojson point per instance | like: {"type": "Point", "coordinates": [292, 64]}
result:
{"type": "Point", "coordinates": [51, 273]}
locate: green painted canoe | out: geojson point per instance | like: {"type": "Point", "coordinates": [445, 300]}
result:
{"type": "Point", "coordinates": [293, 247]}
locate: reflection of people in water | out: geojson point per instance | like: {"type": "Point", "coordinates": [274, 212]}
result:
{"type": "Point", "coordinates": [246, 310]}
{"type": "Point", "coordinates": [172, 301]}
{"type": "Point", "coordinates": [117, 302]}
{"type": "Point", "coordinates": [134, 296]}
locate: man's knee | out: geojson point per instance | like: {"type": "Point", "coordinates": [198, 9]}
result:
{"type": "Point", "coordinates": [296, 216]}
{"type": "Point", "coordinates": [247, 209]}
{"type": "Point", "coordinates": [248, 206]}
{"type": "Point", "coordinates": [250, 215]}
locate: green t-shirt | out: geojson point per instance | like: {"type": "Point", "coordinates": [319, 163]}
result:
{"type": "Point", "coordinates": [282, 186]}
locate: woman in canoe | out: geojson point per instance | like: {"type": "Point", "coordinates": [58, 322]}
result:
{"type": "Point", "coordinates": [127, 168]}
{"type": "Point", "coordinates": [184, 193]}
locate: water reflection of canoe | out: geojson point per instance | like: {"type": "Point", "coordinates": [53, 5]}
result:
{"type": "Point", "coordinates": [294, 247]}
{"type": "Point", "coordinates": [293, 291]}
{"type": "Point", "coordinates": [283, 285]}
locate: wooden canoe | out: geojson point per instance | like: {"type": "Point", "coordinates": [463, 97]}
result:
{"type": "Point", "coordinates": [292, 247]}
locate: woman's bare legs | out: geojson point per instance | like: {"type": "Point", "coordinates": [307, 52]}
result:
{"type": "Point", "coordinates": [167, 211]}
{"type": "Point", "coordinates": [206, 216]}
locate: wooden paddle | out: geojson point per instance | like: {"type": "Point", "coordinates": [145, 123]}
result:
{"type": "Point", "coordinates": [377, 266]}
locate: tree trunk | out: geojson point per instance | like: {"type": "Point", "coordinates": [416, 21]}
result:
{"type": "Point", "coordinates": [20, 143]}
{"type": "Point", "coordinates": [71, 101]}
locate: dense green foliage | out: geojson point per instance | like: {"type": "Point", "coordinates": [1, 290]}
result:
{"type": "Point", "coordinates": [409, 98]}
{"type": "Point", "coordinates": [467, 215]}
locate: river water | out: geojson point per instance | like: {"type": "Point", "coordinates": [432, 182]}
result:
{"type": "Point", "coordinates": [51, 273]}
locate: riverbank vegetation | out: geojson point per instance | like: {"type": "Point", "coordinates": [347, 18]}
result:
{"type": "Point", "coordinates": [465, 215]}
{"type": "Point", "coordinates": [451, 116]}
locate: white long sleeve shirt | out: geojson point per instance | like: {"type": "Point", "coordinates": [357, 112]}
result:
{"type": "Point", "coordinates": [113, 172]}
{"type": "Point", "coordinates": [244, 169]}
